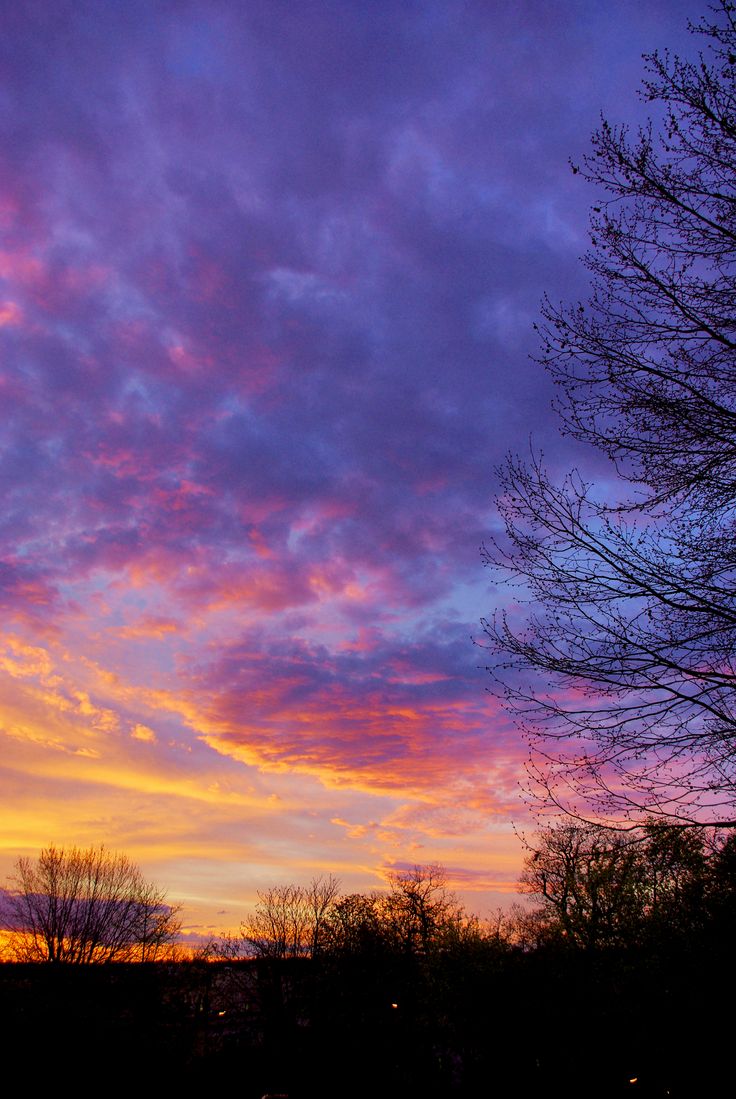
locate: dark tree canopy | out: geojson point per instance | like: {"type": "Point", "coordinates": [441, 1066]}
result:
{"type": "Point", "coordinates": [622, 671]}
{"type": "Point", "coordinates": [598, 888]}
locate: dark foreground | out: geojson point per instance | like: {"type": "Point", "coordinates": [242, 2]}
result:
{"type": "Point", "coordinates": [496, 1022]}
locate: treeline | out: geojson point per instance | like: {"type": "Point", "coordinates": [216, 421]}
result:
{"type": "Point", "coordinates": [417, 915]}
{"type": "Point", "coordinates": [589, 889]}
{"type": "Point", "coordinates": [606, 982]}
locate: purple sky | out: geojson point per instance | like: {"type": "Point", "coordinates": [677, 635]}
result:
{"type": "Point", "coordinates": [268, 276]}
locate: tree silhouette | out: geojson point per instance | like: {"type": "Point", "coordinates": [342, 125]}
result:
{"type": "Point", "coordinates": [622, 671]}
{"type": "Point", "coordinates": [80, 906]}
{"type": "Point", "coordinates": [289, 921]}
{"type": "Point", "coordinates": [598, 888]}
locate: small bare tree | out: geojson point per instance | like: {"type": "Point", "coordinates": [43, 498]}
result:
{"type": "Point", "coordinates": [81, 906]}
{"type": "Point", "coordinates": [289, 921]}
{"type": "Point", "coordinates": [420, 910]}
{"type": "Point", "coordinates": [355, 924]}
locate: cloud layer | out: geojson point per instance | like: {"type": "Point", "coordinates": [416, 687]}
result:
{"type": "Point", "coordinates": [268, 273]}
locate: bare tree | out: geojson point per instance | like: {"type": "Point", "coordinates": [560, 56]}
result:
{"type": "Point", "coordinates": [623, 670]}
{"type": "Point", "coordinates": [289, 921]}
{"type": "Point", "coordinates": [419, 912]}
{"type": "Point", "coordinates": [320, 897]}
{"type": "Point", "coordinates": [81, 906]}
{"type": "Point", "coordinates": [354, 925]}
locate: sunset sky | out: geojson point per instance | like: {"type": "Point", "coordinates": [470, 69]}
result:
{"type": "Point", "coordinates": [268, 277]}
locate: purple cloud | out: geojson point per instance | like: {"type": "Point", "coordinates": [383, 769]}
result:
{"type": "Point", "coordinates": [268, 275]}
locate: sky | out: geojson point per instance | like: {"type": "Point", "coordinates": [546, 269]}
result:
{"type": "Point", "coordinates": [268, 278]}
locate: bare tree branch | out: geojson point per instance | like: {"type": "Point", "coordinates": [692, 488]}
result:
{"type": "Point", "coordinates": [619, 657]}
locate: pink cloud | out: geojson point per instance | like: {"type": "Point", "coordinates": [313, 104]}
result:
{"type": "Point", "coordinates": [10, 313]}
